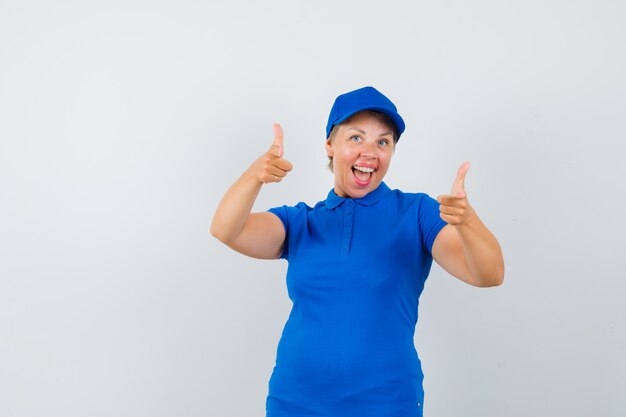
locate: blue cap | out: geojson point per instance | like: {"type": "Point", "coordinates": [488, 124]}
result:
{"type": "Point", "coordinates": [366, 98]}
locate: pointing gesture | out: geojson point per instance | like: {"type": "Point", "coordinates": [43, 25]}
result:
{"type": "Point", "coordinates": [278, 144]}
{"type": "Point", "coordinates": [458, 187]}
{"type": "Point", "coordinates": [271, 166]}
{"type": "Point", "coordinates": [454, 208]}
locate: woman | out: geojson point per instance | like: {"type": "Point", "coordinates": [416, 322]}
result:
{"type": "Point", "coordinates": [357, 265]}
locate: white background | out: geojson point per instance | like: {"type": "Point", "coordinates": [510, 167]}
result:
{"type": "Point", "coordinates": [123, 122]}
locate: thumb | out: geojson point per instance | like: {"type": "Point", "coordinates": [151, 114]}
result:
{"type": "Point", "coordinates": [277, 145]}
{"type": "Point", "coordinates": [458, 187]}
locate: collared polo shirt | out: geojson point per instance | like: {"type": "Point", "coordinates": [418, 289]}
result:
{"type": "Point", "coordinates": [356, 270]}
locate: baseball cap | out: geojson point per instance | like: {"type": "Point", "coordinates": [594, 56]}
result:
{"type": "Point", "coordinates": [366, 98]}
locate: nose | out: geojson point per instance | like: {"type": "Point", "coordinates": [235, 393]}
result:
{"type": "Point", "coordinates": [369, 150]}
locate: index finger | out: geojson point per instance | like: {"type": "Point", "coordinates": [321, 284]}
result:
{"type": "Point", "coordinates": [458, 187]}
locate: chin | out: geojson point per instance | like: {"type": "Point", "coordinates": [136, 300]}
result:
{"type": "Point", "coordinates": [358, 192]}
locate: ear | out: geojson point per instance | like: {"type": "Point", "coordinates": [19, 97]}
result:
{"type": "Point", "coordinates": [329, 148]}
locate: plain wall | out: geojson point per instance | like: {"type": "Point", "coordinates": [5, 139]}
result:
{"type": "Point", "coordinates": [122, 123]}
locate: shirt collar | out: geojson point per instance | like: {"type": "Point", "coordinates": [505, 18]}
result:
{"type": "Point", "coordinates": [333, 200]}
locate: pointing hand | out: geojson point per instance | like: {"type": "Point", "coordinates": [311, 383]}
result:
{"type": "Point", "coordinates": [458, 186]}
{"type": "Point", "coordinates": [454, 208]}
{"type": "Point", "coordinates": [271, 166]}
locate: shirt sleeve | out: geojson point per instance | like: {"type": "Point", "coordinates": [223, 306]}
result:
{"type": "Point", "coordinates": [282, 213]}
{"type": "Point", "coordinates": [294, 220]}
{"type": "Point", "coordinates": [428, 221]}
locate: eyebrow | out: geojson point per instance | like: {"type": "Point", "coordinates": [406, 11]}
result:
{"type": "Point", "coordinates": [363, 132]}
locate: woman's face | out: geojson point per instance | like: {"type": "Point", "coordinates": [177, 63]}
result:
{"type": "Point", "coordinates": [361, 152]}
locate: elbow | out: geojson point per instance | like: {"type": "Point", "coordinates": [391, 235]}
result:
{"type": "Point", "coordinates": [494, 276]}
{"type": "Point", "coordinates": [213, 232]}
{"type": "Point", "coordinates": [488, 283]}
{"type": "Point", "coordinates": [218, 233]}
{"type": "Point", "coordinates": [493, 279]}
{"type": "Point", "coordinates": [499, 279]}
{"type": "Point", "coordinates": [496, 281]}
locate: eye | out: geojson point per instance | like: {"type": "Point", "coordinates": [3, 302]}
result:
{"type": "Point", "coordinates": [383, 142]}
{"type": "Point", "coordinates": [355, 138]}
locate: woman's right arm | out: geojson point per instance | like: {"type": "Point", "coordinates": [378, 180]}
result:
{"type": "Point", "coordinates": [259, 235]}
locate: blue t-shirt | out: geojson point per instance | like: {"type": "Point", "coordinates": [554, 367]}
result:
{"type": "Point", "coordinates": [356, 270]}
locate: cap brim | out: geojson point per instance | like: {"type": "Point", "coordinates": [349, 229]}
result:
{"type": "Point", "coordinates": [395, 117]}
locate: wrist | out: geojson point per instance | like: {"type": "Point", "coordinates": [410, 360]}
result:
{"type": "Point", "coordinates": [251, 177]}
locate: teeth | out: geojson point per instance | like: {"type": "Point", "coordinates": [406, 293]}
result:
{"type": "Point", "coordinates": [363, 169]}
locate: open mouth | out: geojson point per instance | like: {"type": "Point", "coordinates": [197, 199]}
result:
{"type": "Point", "coordinates": [362, 175]}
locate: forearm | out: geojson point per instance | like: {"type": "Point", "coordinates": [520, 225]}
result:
{"type": "Point", "coordinates": [482, 253]}
{"type": "Point", "coordinates": [235, 207]}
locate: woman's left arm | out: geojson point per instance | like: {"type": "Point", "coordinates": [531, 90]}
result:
{"type": "Point", "coordinates": [465, 247]}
